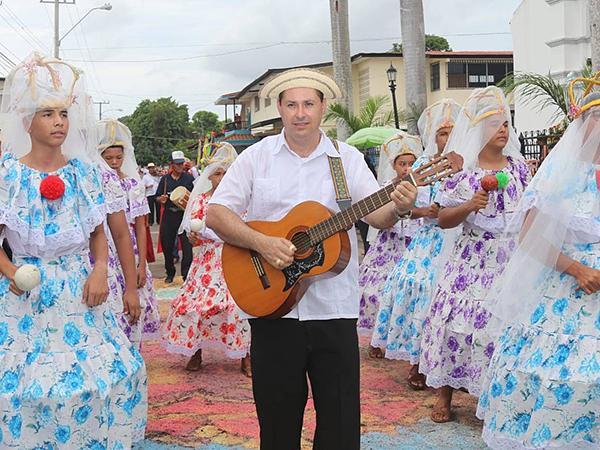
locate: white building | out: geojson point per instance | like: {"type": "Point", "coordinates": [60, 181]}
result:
{"type": "Point", "coordinates": [549, 36]}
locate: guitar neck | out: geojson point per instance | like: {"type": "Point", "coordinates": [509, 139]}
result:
{"type": "Point", "coordinates": [346, 218]}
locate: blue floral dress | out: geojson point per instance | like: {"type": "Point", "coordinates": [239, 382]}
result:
{"type": "Point", "coordinates": [543, 386]}
{"type": "Point", "coordinates": [69, 378]}
{"type": "Point", "coordinates": [407, 291]}
{"type": "Point", "coordinates": [455, 347]}
{"type": "Point", "coordinates": [380, 259]}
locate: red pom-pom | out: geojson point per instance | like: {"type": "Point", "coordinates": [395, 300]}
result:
{"type": "Point", "coordinates": [52, 187]}
{"type": "Point", "coordinates": [489, 183]}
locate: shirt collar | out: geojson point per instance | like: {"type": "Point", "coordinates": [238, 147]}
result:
{"type": "Point", "coordinates": [325, 146]}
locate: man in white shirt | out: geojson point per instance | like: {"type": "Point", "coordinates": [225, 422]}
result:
{"type": "Point", "coordinates": [150, 181]}
{"type": "Point", "coordinates": [318, 337]}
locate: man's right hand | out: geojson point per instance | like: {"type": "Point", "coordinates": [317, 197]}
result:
{"type": "Point", "coordinates": [163, 199]}
{"type": "Point", "coordinates": [278, 252]}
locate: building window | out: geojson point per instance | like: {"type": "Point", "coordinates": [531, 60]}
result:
{"type": "Point", "coordinates": [267, 102]}
{"type": "Point", "coordinates": [435, 76]}
{"type": "Point", "coordinates": [457, 75]}
{"type": "Point", "coordinates": [477, 75]}
{"type": "Point", "coordinates": [256, 103]}
{"type": "Point", "coordinates": [473, 75]}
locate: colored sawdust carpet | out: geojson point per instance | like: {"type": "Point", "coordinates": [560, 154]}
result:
{"type": "Point", "coordinates": [213, 409]}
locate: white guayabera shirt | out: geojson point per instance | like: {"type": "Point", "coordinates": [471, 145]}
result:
{"type": "Point", "coordinates": [268, 179]}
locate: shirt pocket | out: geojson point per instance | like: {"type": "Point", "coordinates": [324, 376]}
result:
{"type": "Point", "coordinates": [266, 197]}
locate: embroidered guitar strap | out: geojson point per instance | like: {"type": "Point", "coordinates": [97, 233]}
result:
{"type": "Point", "coordinates": [342, 193]}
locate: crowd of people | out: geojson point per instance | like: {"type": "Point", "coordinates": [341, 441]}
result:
{"type": "Point", "coordinates": [486, 281]}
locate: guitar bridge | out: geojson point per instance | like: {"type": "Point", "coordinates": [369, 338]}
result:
{"type": "Point", "coordinates": [260, 270]}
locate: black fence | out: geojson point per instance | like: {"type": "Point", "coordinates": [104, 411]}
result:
{"type": "Point", "coordinates": [535, 145]}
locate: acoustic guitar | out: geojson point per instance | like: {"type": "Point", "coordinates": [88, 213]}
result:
{"type": "Point", "coordinates": [322, 246]}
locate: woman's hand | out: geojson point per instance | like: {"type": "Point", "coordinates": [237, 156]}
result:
{"type": "Point", "coordinates": [10, 274]}
{"type": "Point", "coordinates": [141, 274]}
{"type": "Point", "coordinates": [434, 210]}
{"type": "Point", "coordinates": [194, 238]}
{"type": "Point", "coordinates": [131, 306]}
{"type": "Point", "coordinates": [479, 201]}
{"type": "Point", "coordinates": [587, 278]}
{"type": "Point", "coordinates": [95, 289]}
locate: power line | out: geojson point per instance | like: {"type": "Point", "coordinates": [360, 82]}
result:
{"type": "Point", "coordinates": [322, 41]}
{"type": "Point", "coordinates": [21, 35]}
{"type": "Point", "coordinates": [85, 41]}
{"type": "Point", "coordinates": [22, 25]}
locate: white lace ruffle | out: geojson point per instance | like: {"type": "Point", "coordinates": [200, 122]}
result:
{"type": "Point", "coordinates": [437, 382]}
{"type": "Point", "coordinates": [206, 345]}
{"type": "Point", "coordinates": [28, 216]}
{"type": "Point", "coordinates": [402, 355]}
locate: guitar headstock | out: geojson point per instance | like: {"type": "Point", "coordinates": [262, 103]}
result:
{"type": "Point", "coordinates": [438, 169]}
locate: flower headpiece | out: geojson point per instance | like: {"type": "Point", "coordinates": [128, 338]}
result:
{"type": "Point", "coordinates": [576, 110]}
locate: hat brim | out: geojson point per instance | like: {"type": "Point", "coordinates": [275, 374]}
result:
{"type": "Point", "coordinates": [301, 78]}
{"type": "Point", "coordinates": [178, 161]}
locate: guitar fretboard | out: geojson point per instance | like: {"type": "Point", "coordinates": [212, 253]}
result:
{"type": "Point", "coordinates": [346, 218]}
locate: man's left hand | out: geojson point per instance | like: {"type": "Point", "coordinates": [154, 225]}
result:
{"type": "Point", "coordinates": [404, 196]}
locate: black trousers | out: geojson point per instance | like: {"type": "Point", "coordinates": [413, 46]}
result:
{"type": "Point", "coordinates": [283, 353]}
{"type": "Point", "coordinates": [168, 232]}
{"type": "Point", "coordinates": [154, 207]}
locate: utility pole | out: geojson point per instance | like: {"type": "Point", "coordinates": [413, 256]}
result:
{"type": "Point", "coordinates": [57, 4]}
{"type": "Point", "coordinates": [342, 65]}
{"type": "Point", "coordinates": [100, 103]}
{"type": "Point", "coordinates": [594, 20]}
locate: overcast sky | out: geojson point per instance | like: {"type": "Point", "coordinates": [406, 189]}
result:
{"type": "Point", "coordinates": [196, 50]}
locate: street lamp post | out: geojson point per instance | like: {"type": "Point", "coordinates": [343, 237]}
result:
{"type": "Point", "coordinates": [57, 39]}
{"type": "Point", "coordinates": [391, 76]}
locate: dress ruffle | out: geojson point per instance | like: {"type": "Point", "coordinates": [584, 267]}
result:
{"type": "Point", "coordinates": [34, 219]}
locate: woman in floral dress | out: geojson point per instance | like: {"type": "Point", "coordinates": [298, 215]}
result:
{"type": "Point", "coordinates": [455, 347]}
{"type": "Point", "coordinates": [542, 389]}
{"type": "Point", "coordinates": [398, 154]}
{"type": "Point", "coordinates": [409, 287]}
{"type": "Point", "coordinates": [116, 148]}
{"type": "Point", "coordinates": [68, 377]}
{"type": "Point", "coordinates": [204, 315]}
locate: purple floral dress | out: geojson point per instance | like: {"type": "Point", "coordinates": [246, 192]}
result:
{"type": "Point", "coordinates": [137, 207]}
{"type": "Point", "coordinates": [455, 348]}
{"type": "Point", "coordinates": [375, 267]}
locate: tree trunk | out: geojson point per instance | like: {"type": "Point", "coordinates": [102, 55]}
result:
{"type": "Point", "coordinates": [342, 65]}
{"type": "Point", "coordinates": [412, 25]}
{"type": "Point", "coordinates": [594, 19]}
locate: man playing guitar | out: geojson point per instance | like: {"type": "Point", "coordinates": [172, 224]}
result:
{"type": "Point", "coordinates": [318, 337]}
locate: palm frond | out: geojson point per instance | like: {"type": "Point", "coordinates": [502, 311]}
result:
{"type": "Point", "coordinates": [337, 111]}
{"type": "Point", "coordinates": [411, 115]}
{"type": "Point", "coordinates": [541, 91]}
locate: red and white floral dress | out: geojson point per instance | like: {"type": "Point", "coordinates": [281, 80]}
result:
{"type": "Point", "coordinates": [204, 315]}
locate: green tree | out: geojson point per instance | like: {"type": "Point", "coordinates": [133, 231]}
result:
{"type": "Point", "coordinates": [204, 122]}
{"type": "Point", "coordinates": [432, 43]}
{"type": "Point", "coordinates": [372, 114]}
{"type": "Point", "coordinates": [158, 127]}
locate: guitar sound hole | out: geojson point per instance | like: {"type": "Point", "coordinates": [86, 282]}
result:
{"type": "Point", "coordinates": [301, 241]}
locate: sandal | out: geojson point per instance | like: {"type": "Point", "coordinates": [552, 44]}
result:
{"type": "Point", "coordinates": [246, 367]}
{"type": "Point", "coordinates": [416, 380]}
{"type": "Point", "coordinates": [375, 352]}
{"type": "Point", "coordinates": [195, 362]}
{"type": "Point", "coordinates": [441, 414]}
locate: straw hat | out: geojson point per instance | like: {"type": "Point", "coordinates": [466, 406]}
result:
{"type": "Point", "coordinates": [301, 78]}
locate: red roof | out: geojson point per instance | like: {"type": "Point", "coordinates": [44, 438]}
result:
{"type": "Point", "coordinates": [507, 53]}
{"type": "Point", "coordinates": [238, 137]}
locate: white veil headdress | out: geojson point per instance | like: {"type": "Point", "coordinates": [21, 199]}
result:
{"type": "Point", "coordinates": [441, 114]}
{"type": "Point", "coordinates": [560, 206]}
{"type": "Point", "coordinates": [481, 116]}
{"type": "Point", "coordinates": [401, 143]}
{"type": "Point", "coordinates": [39, 83]}
{"type": "Point", "coordinates": [219, 155]}
{"type": "Point", "coordinates": [112, 133]}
